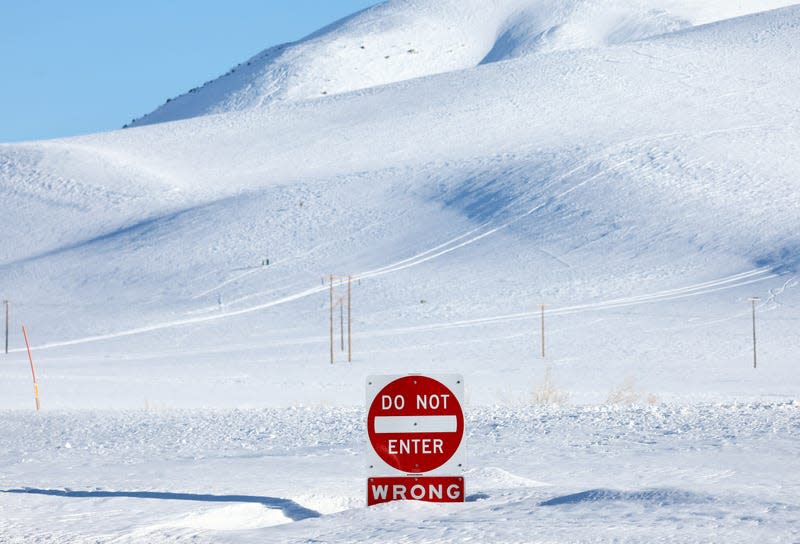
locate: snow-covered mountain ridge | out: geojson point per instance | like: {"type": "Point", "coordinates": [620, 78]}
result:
{"type": "Point", "coordinates": [399, 40]}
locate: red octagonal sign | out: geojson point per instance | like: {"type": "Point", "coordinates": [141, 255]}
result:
{"type": "Point", "coordinates": [415, 424]}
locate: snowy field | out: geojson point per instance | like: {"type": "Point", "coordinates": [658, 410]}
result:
{"type": "Point", "coordinates": [634, 166]}
{"type": "Point", "coordinates": [663, 473]}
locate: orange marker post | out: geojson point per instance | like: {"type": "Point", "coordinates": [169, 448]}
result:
{"type": "Point", "coordinates": [33, 370]}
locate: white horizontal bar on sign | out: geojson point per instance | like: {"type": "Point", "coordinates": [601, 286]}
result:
{"type": "Point", "coordinates": [415, 424]}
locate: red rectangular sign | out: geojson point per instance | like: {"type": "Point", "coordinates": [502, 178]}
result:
{"type": "Point", "coordinates": [415, 488]}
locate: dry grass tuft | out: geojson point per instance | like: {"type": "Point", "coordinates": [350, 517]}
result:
{"type": "Point", "coordinates": [628, 393]}
{"type": "Point", "coordinates": [547, 392]}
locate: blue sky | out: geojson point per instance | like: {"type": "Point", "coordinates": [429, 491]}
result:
{"type": "Point", "coordinates": [73, 67]}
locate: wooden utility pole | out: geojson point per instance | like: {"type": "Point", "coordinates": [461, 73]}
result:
{"type": "Point", "coordinates": [331, 320]}
{"type": "Point", "coordinates": [6, 302]}
{"type": "Point", "coordinates": [753, 301]}
{"type": "Point", "coordinates": [541, 311]}
{"type": "Point", "coordinates": [339, 299]}
{"type": "Point", "coordinates": [349, 321]}
{"type": "Point", "coordinates": [340, 302]}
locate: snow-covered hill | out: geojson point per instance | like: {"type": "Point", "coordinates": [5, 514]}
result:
{"type": "Point", "coordinates": [399, 40]}
{"type": "Point", "coordinates": [660, 171]}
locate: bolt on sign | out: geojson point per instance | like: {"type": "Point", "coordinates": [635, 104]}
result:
{"type": "Point", "coordinates": [415, 426]}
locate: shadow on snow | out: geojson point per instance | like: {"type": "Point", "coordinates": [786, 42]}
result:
{"type": "Point", "coordinates": [290, 509]}
{"type": "Point", "coordinates": [659, 497]}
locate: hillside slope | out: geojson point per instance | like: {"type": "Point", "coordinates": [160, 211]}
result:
{"type": "Point", "coordinates": [642, 190]}
{"type": "Point", "coordinates": [404, 39]}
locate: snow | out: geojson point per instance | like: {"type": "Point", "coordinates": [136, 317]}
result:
{"type": "Point", "coordinates": [632, 166]}
{"type": "Point", "coordinates": [664, 472]}
{"type": "Point", "coordinates": [403, 39]}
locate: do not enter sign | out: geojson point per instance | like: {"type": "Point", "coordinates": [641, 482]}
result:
{"type": "Point", "coordinates": [415, 423]}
